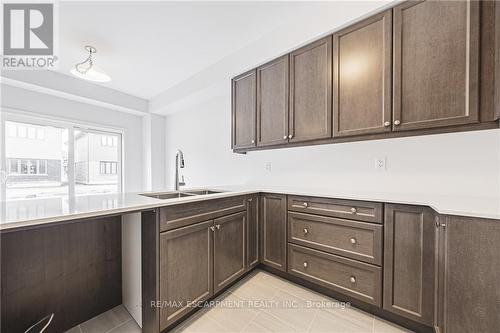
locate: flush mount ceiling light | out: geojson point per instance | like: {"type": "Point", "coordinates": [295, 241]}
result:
{"type": "Point", "coordinates": [87, 70]}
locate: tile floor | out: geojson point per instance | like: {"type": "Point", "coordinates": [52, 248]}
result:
{"type": "Point", "coordinates": [261, 302]}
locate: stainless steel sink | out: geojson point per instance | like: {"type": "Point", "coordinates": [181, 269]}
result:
{"type": "Point", "coordinates": [202, 192]}
{"type": "Point", "coordinates": [178, 194]}
{"type": "Point", "coordinates": [167, 195]}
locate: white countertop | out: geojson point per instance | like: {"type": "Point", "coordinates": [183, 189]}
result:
{"type": "Point", "coordinates": [30, 212]}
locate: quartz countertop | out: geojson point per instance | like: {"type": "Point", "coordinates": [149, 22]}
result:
{"type": "Point", "coordinates": [30, 212]}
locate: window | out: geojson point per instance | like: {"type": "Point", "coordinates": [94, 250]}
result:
{"type": "Point", "coordinates": [27, 167]}
{"type": "Point", "coordinates": [108, 168]}
{"type": "Point", "coordinates": [41, 162]}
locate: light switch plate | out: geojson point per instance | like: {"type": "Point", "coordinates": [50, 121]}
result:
{"type": "Point", "coordinates": [269, 167]}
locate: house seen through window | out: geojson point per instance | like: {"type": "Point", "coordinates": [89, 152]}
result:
{"type": "Point", "coordinates": [41, 162]}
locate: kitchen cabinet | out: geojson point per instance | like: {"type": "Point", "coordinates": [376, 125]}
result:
{"type": "Point", "coordinates": [497, 60]}
{"type": "Point", "coordinates": [229, 249]}
{"type": "Point", "coordinates": [244, 102]}
{"type": "Point", "coordinates": [362, 73]}
{"type": "Point", "coordinates": [436, 64]}
{"type": "Point", "coordinates": [252, 231]}
{"type": "Point", "coordinates": [410, 251]}
{"type": "Point", "coordinates": [311, 92]}
{"type": "Point", "coordinates": [186, 269]}
{"type": "Point", "coordinates": [273, 230]}
{"type": "Point", "coordinates": [272, 102]}
{"type": "Point", "coordinates": [469, 298]}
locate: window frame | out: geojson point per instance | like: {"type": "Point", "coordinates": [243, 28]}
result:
{"type": "Point", "coordinates": [16, 115]}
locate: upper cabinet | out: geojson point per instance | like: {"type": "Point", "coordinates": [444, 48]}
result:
{"type": "Point", "coordinates": [422, 67]}
{"type": "Point", "coordinates": [436, 64]}
{"type": "Point", "coordinates": [311, 92]}
{"type": "Point", "coordinates": [243, 110]}
{"type": "Point", "coordinates": [362, 77]}
{"type": "Point", "coordinates": [272, 102]}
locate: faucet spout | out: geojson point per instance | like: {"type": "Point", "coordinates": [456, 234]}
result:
{"type": "Point", "coordinates": [179, 163]}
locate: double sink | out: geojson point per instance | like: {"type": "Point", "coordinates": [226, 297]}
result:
{"type": "Point", "coordinates": [179, 194]}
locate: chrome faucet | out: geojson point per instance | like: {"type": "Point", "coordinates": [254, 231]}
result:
{"type": "Point", "coordinates": [179, 164]}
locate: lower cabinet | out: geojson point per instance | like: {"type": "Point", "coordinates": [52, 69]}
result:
{"type": "Point", "coordinates": [469, 292]}
{"type": "Point", "coordinates": [273, 230]}
{"type": "Point", "coordinates": [229, 249]}
{"type": "Point", "coordinates": [197, 261]}
{"type": "Point", "coordinates": [252, 231]}
{"type": "Point", "coordinates": [186, 269]}
{"type": "Point", "coordinates": [410, 251]}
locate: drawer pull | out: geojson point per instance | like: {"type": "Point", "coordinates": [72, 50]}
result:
{"type": "Point", "coordinates": [353, 240]}
{"type": "Point", "coordinates": [354, 210]}
{"type": "Point", "coordinates": [352, 279]}
{"type": "Point", "coordinates": [305, 204]}
{"type": "Point", "coordinates": [305, 264]}
{"type": "Point", "coordinates": [306, 231]}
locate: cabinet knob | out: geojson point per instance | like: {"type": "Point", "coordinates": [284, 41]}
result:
{"type": "Point", "coordinates": [353, 240]}
{"type": "Point", "coordinates": [305, 264]}
{"type": "Point", "coordinates": [290, 136]}
{"type": "Point", "coordinates": [285, 137]}
{"type": "Point", "coordinates": [212, 228]}
{"type": "Point", "coordinates": [253, 141]}
{"type": "Point", "coordinates": [306, 231]}
{"type": "Point", "coordinates": [352, 279]}
{"type": "Point", "coordinates": [305, 204]}
{"type": "Point", "coordinates": [387, 124]}
{"type": "Point", "coordinates": [397, 122]}
{"type": "Point", "coordinates": [217, 226]}
{"type": "Point", "coordinates": [354, 210]}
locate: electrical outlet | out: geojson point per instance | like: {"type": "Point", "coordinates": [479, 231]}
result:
{"type": "Point", "coordinates": [380, 163]}
{"type": "Point", "coordinates": [269, 167]}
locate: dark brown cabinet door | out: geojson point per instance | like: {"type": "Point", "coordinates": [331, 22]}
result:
{"type": "Point", "coordinates": [470, 271]}
{"type": "Point", "coordinates": [252, 230]}
{"type": "Point", "coordinates": [362, 77]}
{"type": "Point", "coordinates": [311, 91]}
{"type": "Point", "coordinates": [272, 102]}
{"type": "Point", "coordinates": [229, 249]}
{"type": "Point", "coordinates": [244, 102]}
{"type": "Point", "coordinates": [410, 252]}
{"type": "Point", "coordinates": [436, 64]}
{"type": "Point", "coordinates": [273, 230]}
{"type": "Point", "coordinates": [186, 269]}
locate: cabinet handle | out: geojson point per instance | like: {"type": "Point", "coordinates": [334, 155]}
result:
{"type": "Point", "coordinates": [305, 204]}
{"type": "Point", "coordinates": [290, 136]}
{"type": "Point", "coordinates": [306, 231]}
{"type": "Point", "coordinates": [212, 228]}
{"type": "Point", "coordinates": [285, 137]}
{"type": "Point", "coordinates": [353, 240]}
{"type": "Point", "coordinates": [397, 122]}
{"type": "Point", "coordinates": [354, 210]}
{"type": "Point", "coordinates": [387, 124]}
{"type": "Point", "coordinates": [250, 199]}
{"type": "Point", "coordinates": [253, 141]}
{"type": "Point", "coordinates": [352, 279]}
{"type": "Point", "coordinates": [305, 264]}
{"type": "Point", "coordinates": [217, 226]}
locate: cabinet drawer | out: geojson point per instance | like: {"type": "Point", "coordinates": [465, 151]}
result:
{"type": "Point", "coordinates": [350, 277]}
{"type": "Point", "coordinates": [356, 240]}
{"type": "Point", "coordinates": [351, 209]}
{"type": "Point", "coordinates": [181, 215]}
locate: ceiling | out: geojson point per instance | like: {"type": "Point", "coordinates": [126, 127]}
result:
{"type": "Point", "coordinates": [148, 47]}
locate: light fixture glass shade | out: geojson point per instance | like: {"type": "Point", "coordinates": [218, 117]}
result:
{"type": "Point", "coordinates": [93, 74]}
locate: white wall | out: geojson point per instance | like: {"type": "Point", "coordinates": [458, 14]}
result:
{"type": "Point", "coordinates": [458, 164]}
{"type": "Point", "coordinates": [50, 106]}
